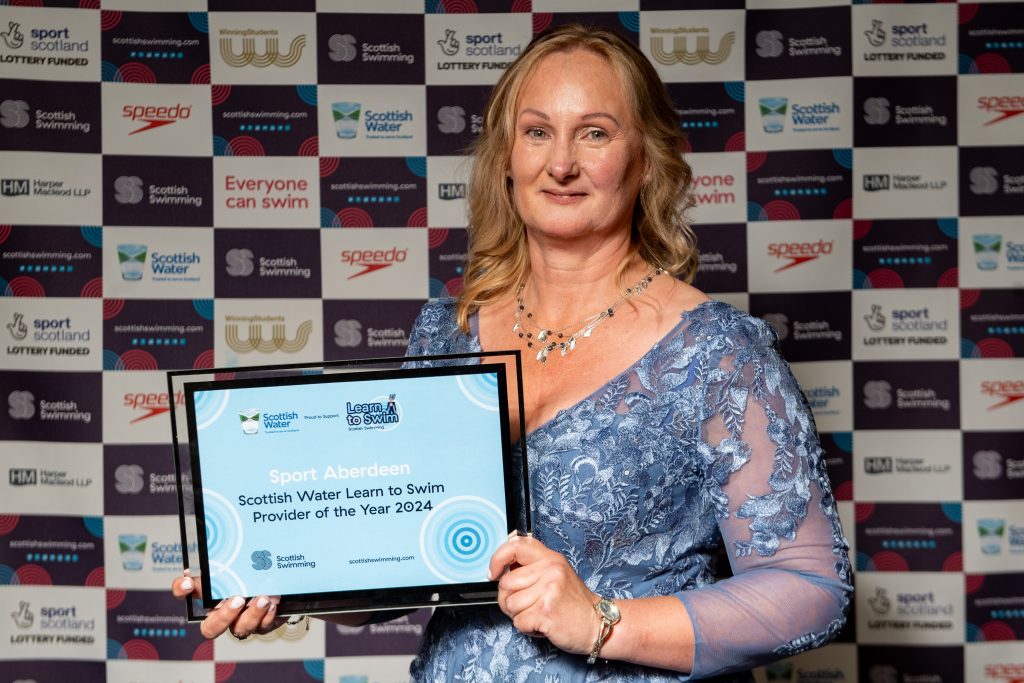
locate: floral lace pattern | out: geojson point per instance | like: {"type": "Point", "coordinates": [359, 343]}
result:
{"type": "Point", "coordinates": [706, 437]}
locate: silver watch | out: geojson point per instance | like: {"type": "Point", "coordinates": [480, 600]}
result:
{"type": "Point", "coordinates": [609, 613]}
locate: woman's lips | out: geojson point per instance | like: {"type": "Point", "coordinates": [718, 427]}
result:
{"type": "Point", "coordinates": [562, 197]}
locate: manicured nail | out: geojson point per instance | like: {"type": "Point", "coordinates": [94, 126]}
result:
{"type": "Point", "coordinates": [272, 608]}
{"type": "Point", "coordinates": [236, 602]}
{"type": "Point", "coordinates": [186, 572]}
{"type": "Point", "coordinates": [186, 585]}
{"type": "Point", "coordinates": [261, 602]}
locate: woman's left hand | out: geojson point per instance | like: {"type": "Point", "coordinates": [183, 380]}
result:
{"type": "Point", "coordinates": [544, 596]}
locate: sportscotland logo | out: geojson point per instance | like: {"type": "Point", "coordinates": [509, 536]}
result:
{"type": "Point", "coordinates": [250, 421]}
{"type": "Point", "coordinates": [876, 34]}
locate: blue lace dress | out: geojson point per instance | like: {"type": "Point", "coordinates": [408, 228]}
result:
{"type": "Point", "coordinates": [706, 437]}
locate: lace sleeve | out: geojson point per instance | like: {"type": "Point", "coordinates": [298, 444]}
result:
{"type": "Point", "coordinates": [766, 482]}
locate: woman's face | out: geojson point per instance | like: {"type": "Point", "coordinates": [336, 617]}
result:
{"type": "Point", "coordinates": [575, 166]}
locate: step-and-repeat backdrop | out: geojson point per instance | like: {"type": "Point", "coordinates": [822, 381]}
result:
{"type": "Point", "coordinates": [182, 184]}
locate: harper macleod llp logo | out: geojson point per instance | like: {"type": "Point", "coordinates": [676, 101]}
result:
{"type": "Point", "coordinates": [680, 52]}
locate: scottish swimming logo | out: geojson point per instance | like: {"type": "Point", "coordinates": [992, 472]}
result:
{"type": "Point", "coordinates": [383, 413]}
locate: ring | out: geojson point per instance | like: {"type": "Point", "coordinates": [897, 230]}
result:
{"type": "Point", "coordinates": [238, 637]}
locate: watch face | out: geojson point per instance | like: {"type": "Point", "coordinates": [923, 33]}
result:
{"type": "Point", "coordinates": [609, 610]}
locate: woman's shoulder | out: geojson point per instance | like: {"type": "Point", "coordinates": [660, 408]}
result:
{"type": "Point", "coordinates": [713, 319]}
{"type": "Point", "coordinates": [436, 330]}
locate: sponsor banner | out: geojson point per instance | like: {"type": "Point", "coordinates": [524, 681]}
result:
{"type": "Point", "coordinates": [135, 408]}
{"type": "Point", "coordinates": [42, 261]}
{"type": "Point", "coordinates": [143, 552]}
{"type": "Point", "coordinates": [905, 323]}
{"type": "Point", "coordinates": [622, 22]}
{"type": "Point", "coordinates": [143, 263]}
{"type": "Point", "coordinates": [150, 622]}
{"type": "Point", "coordinates": [908, 537]}
{"type": "Point", "coordinates": [366, 193]}
{"type": "Point", "coordinates": [991, 252]}
{"type": "Point", "coordinates": [723, 257]}
{"type": "Point", "coordinates": [993, 536]}
{"type": "Point", "coordinates": [139, 480]}
{"type": "Point", "coordinates": [385, 263]}
{"type": "Point", "coordinates": [151, 191]}
{"type": "Point", "coordinates": [990, 36]}
{"type": "Point", "coordinates": [904, 664]}
{"type": "Point", "coordinates": [144, 335]}
{"type": "Point", "coordinates": [254, 192]}
{"type": "Point", "coordinates": [447, 183]}
{"type": "Point", "coordinates": [370, 48]}
{"type": "Point", "coordinates": [155, 47]}
{"type": "Point", "coordinates": [694, 46]}
{"type": "Point", "coordinates": [360, 6]}
{"type": "Point", "coordinates": [50, 406]}
{"type": "Point", "coordinates": [454, 117]}
{"type": "Point", "coordinates": [711, 115]}
{"type": "Point", "coordinates": [50, 117]}
{"type": "Point", "coordinates": [993, 389]}
{"type": "Point", "coordinates": [262, 47]}
{"type": "Point", "coordinates": [46, 188]}
{"type": "Point", "coordinates": [396, 637]}
{"type": "Point", "coordinates": [905, 253]}
{"type": "Point", "coordinates": [51, 479]}
{"type": "Point", "coordinates": [811, 326]}
{"type": "Point", "coordinates": [372, 120]}
{"type": "Point", "coordinates": [905, 111]}
{"type": "Point", "coordinates": [719, 188]}
{"type": "Point", "coordinates": [805, 43]}
{"type": "Point", "coordinates": [58, 44]}
{"type": "Point", "coordinates": [995, 608]}
{"type": "Point", "coordinates": [904, 182]}
{"type": "Point", "coordinates": [838, 449]}
{"type": "Point", "coordinates": [267, 263]}
{"type": "Point", "coordinates": [906, 395]}
{"type": "Point", "coordinates": [379, 669]}
{"type": "Point", "coordinates": [80, 672]}
{"type": "Point", "coordinates": [799, 185]}
{"type": "Point", "coordinates": [993, 465]}
{"type": "Point", "coordinates": [53, 622]}
{"type": "Point", "coordinates": [833, 664]}
{"type": "Point", "coordinates": [286, 643]}
{"type": "Point", "coordinates": [802, 113]}
{"type": "Point", "coordinates": [447, 260]}
{"type": "Point", "coordinates": [62, 551]}
{"type": "Point", "coordinates": [261, 5]}
{"type": "Point", "coordinates": [914, 41]}
{"type": "Point", "coordinates": [992, 323]}
{"type": "Point", "coordinates": [264, 120]}
{"type": "Point", "coordinates": [473, 49]}
{"type": "Point", "coordinates": [267, 332]}
{"type": "Point", "coordinates": [993, 662]}
{"type": "Point", "coordinates": [149, 671]}
{"type": "Point", "coordinates": [990, 109]}
{"type": "Point", "coordinates": [354, 329]}
{"type": "Point", "coordinates": [169, 120]}
{"type": "Point", "coordinates": [51, 334]}
{"type": "Point", "coordinates": [991, 181]}
{"type": "Point", "coordinates": [900, 465]}
{"type": "Point", "coordinates": [826, 384]}
{"type": "Point", "coordinates": [904, 608]}
{"type": "Point", "coordinates": [800, 256]}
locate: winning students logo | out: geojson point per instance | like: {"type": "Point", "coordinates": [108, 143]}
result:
{"type": "Point", "coordinates": [680, 52]}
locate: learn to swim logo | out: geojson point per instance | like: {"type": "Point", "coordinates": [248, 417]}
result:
{"type": "Point", "coordinates": [372, 260]}
{"type": "Point", "coordinates": [384, 415]}
{"type": "Point", "coordinates": [1007, 391]}
{"type": "Point", "coordinates": [798, 253]}
{"type": "Point", "coordinates": [152, 116]}
{"type": "Point", "coordinates": [1003, 106]}
{"type": "Point", "coordinates": [250, 421]}
{"type": "Point", "coordinates": [680, 52]}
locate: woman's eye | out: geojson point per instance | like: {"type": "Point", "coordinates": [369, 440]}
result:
{"type": "Point", "coordinates": [537, 133]}
{"type": "Point", "coordinates": [596, 135]}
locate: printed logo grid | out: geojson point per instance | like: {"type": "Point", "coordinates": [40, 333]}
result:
{"type": "Point", "coordinates": [183, 190]}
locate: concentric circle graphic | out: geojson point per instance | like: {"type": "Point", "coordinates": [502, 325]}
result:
{"type": "Point", "coordinates": [210, 405]}
{"type": "Point", "coordinates": [481, 390]}
{"type": "Point", "coordinates": [459, 536]}
{"type": "Point", "coordinates": [224, 582]}
{"type": "Point", "coordinates": [223, 529]}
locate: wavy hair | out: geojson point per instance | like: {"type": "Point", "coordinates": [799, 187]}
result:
{"type": "Point", "coordinates": [498, 259]}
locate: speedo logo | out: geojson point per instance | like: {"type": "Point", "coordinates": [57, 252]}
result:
{"type": "Point", "coordinates": [1010, 391]}
{"type": "Point", "coordinates": [1004, 105]}
{"type": "Point", "coordinates": [371, 260]}
{"type": "Point", "coordinates": [155, 117]}
{"type": "Point", "coordinates": [150, 404]}
{"type": "Point", "coordinates": [798, 253]}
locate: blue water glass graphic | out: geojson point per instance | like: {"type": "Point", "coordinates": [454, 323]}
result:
{"type": "Point", "coordinates": [986, 251]}
{"type": "Point", "coordinates": [132, 258]}
{"type": "Point", "coordinates": [133, 551]}
{"type": "Point", "coordinates": [990, 532]}
{"type": "Point", "coordinates": [346, 119]}
{"type": "Point", "coordinates": [773, 113]}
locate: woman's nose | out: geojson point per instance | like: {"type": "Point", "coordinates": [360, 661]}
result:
{"type": "Point", "coordinates": [562, 164]}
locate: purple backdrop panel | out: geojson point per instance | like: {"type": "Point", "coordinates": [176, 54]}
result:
{"type": "Point", "coordinates": [383, 192]}
{"type": "Point", "coordinates": [798, 43]}
{"type": "Point", "coordinates": [883, 664]}
{"type": "Point", "coordinates": [46, 551]}
{"type": "Point", "coordinates": [988, 41]}
{"type": "Point", "coordinates": [51, 261]}
{"type": "Point", "coordinates": [139, 480]}
{"type": "Point", "coordinates": [995, 607]}
{"type": "Point", "coordinates": [723, 257]}
{"type": "Point", "coordinates": [156, 47]}
{"type": "Point", "coordinates": [55, 671]}
{"type": "Point", "coordinates": [267, 263]}
{"type": "Point", "coordinates": [264, 120]}
{"type": "Point", "coordinates": [150, 625]}
{"type": "Point", "coordinates": [147, 191]}
{"type": "Point", "coordinates": [51, 406]}
{"type": "Point", "coordinates": [992, 323]}
{"type": "Point", "coordinates": [367, 329]}
{"type": "Point", "coordinates": [906, 395]}
{"type": "Point", "coordinates": [624, 23]}
{"type": "Point", "coordinates": [908, 253]}
{"type": "Point", "coordinates": [447, 260]}
{"type": "Point", "coordinates": [838, 449]}
{"type": "Point", "coordinates": [993, 465]}
{"type": "Point", "coordinates": [900, 112]}
{"type": "Point", "coordinates": [711, 115]}
{"type": "Point", "coordinates": [991, 181]}
{"type": "Point", "coordinates": [811, 325]}
{"type": "Point", "coordinates": [400, 636]}
{"type": "Point", "coordinates": [802, 184]}
{"type": "Point", "coordinates": [923, 537]}
{"type": "Point", "coordinates": [165, 335]}
{"type": "Point", "coordinates": [454, 117]}
{"type": "Point", "coordinates": [50, 117]}
{"type": "Point", "coordinates": [370, 48]}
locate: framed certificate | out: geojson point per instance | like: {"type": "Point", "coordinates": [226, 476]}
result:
{"type": "Point", "coordinates": [350, 488]}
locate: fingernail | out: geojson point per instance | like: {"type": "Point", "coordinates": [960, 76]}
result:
{"type": "Point", "coordinates": [262, 602]}
{"type": "Point", "coordinates": [186, 585]}
{"type": "Point", "coordinates": [187, 572]}
{"type": "Point", "coordinates": [272, 608]}
{"type": "Point", "coordinates": [236, 602]}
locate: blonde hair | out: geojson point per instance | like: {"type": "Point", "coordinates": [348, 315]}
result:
{"type": "Point", "coordinates": [498, 259]}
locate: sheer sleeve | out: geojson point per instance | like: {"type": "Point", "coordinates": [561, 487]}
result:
{"type": "Point", "coordinates": [765, 480]}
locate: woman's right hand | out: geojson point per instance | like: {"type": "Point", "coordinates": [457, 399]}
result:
{"type": "Point", "coordinates": [258, 616]}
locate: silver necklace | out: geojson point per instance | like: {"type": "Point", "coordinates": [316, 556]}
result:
{"type": "Point", "coordinates": [547, 339]}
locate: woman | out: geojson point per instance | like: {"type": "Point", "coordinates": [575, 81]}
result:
{"type": "Point", "coordinates": [658, 422]}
